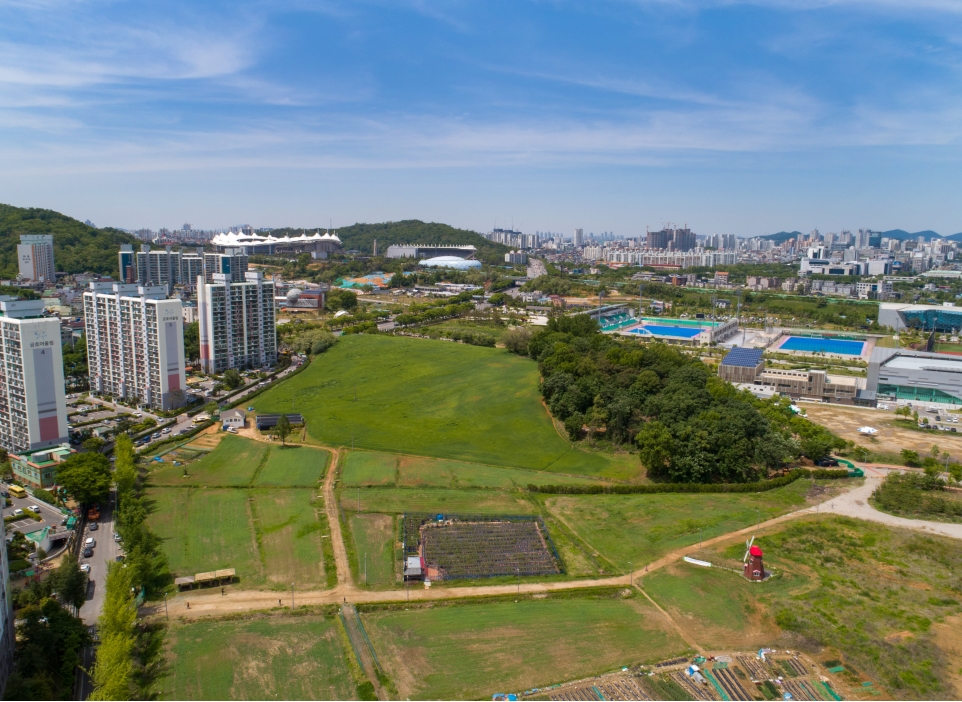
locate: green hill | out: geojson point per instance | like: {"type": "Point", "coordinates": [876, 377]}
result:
{"type": "Point", "coordinates": [361, 237]}
{"type": "Point", "coordinates": [76, 247]}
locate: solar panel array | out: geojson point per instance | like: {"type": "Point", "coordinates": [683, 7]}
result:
{"type": "Point", "coordinates": [745, 358]}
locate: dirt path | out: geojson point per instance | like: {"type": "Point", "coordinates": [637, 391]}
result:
{"type": "Point", "coordinates": [334, 522]}
{"type": "Point", "coordinates": [208, 603]}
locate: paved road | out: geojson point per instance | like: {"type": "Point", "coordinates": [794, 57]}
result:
{"type": "Point", "coordinates": [106, 551]}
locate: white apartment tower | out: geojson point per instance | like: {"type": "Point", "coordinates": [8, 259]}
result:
{"type": "Point", "coordinates": [35, 254]}
{"type": "Point", "coordinates": [579, 238]}
{"type": "Point", "coordinates": [33, 407]}
{"type": "Point", "coordinates": [135, 344]}
{"type": "Point", "coordinates": [237, 327]}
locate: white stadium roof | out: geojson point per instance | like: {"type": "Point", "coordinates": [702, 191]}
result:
{"type": "Point", "coordinates": [228, 239]}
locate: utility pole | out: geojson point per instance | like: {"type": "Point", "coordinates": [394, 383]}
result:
{"type": "Point", "coordinates": [166, 612]}
{"type": "Point", "coordinates": [365, 567]}
{"type": "Point", "coordinates": [292, 594]}
{"type": "Point", "coordinates": [519, 580]}
{"type": "Point", "coordinates": [631, 574]}
{"type": "Point", "coordinates": [359, 500]}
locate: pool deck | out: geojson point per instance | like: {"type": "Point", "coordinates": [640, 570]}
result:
{"type": "Point", "coordinates": [868, 345]}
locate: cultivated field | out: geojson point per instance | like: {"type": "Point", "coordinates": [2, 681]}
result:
{"type": "Point", "coordinates": [372, 468]}
{"type": "Point", "coordinates": [245, 505]}
{"type": "Point", "coordinates": [641, 528]}
{"type": "Point", "coordinates": [399, 500]}
{"type": "Point", "coordinates": [434, 398]}
{"type": "Point", "coordinates": [374, 537]}
{"type": "Point", "coordinates": [472, 650]}
{"type": "Point", "coordinates": [266, 657]}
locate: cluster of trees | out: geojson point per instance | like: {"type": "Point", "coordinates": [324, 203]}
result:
{"type": "Point", "coordinates": [689, 425]}
{"type": "Point", "coordinates": [436, 309]}
{"type": "Point", "coordinates": [312, 341]}
{"type": "Point", "coordinates": [917, 495]}
{"type": "Point", "coordinates": [75, 365]}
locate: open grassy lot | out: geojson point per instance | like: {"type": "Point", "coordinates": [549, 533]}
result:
{"type": "Point", "coordinates": [270, 537]}
{"type": "Point", "coordinates": [640, 528]}
{"type": "Point", "coordinates": [872, 596]}
{"type": "Point", "coordinates": [399, 500]}
{"type": "Point", "coordinates": [370, 468]}
{"type": "Point", "coordinates": [266, 657]}
{"type": "Point", "coordinates": [433, 398]}
{"type": "Point", "coordinates": [293, 466]}
{"type": "Point", "coordinates": [471, 650]}
{"type": "Point", "coordinates": [374, 536]}
{"type": "Point", "coordinates": [233, 462]}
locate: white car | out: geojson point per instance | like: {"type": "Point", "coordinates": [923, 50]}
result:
{"type": "Point", "coordinates": [34, 508]}
{"type": "Point", "coordinates": [90, 542]}
{"type": "Point", "coordinates": [868, 431]}
{"type": "Point", "coordinates": [85, 568]}
{"type": "Point", "coordinates": [17, 512]}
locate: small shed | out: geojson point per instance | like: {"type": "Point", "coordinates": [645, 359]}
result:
{"type": "Point", "coordinates": [233, 419]}
{"type": "Point", "coordinates": [205, 578]}
{"type": "Point", "coordinates": [184, 583]}
{"type": "Point", "coordinates": [225, 575]}
{"type": "Point", "coordinates": [412, 568]}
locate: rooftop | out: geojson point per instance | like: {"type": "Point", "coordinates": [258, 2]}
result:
{"type": "Point", "coordinates": [742, 357]}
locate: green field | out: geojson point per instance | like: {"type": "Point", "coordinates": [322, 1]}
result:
{"type": "Point", "coordinates": [472, 650]}
{"type": "Point", "coordinates": [207, 529]}
{"type": "Point", "coordinates": [641, 528]}
{"type": "Point", "coordinates": [267, 657]}
{"type": "Point", "coordinates": [371, 468]}
{"type": "Point", "coordinates": [233, 462]}
{"type": "Point", "coordinates": [434, 398]}
{"type": "Point", "coordinates": [293, 466]}
{"type": "Point", "coordinates": [236, 461]}
{"type": "Point", "coordinates": [399, 500]}
{"type": "Point", "coordinates": [374, 538]}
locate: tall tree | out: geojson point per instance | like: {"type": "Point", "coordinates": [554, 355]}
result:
{"type": "Point", "coordinates": [283, 428]}
{"type": "Point", "coordinates": [85, 476]}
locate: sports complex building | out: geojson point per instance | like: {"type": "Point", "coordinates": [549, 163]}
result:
{"type": "Point", "coordinates": [940, 318]}
{"type": "Point", "coordinates": [916, 376]}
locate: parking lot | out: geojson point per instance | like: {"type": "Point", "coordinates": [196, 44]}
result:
{"type": "Point", "coordinates": [51, 515]}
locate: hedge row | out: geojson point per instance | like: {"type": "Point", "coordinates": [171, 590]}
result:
{"type": "Point", "coordinates": [658, 488]}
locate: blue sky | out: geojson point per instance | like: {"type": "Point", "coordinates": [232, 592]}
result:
{"type": "Point", "coordinates": [743, 117]}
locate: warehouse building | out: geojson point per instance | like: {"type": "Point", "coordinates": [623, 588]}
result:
{"type": "Point", "coordinates": [940, 318]}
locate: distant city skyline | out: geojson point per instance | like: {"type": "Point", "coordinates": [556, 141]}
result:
{"type": "Point", "coordinates": [732, 117]}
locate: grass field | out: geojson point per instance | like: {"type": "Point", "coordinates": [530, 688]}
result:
{"type": "Point", "coordinates": [399, 500]}
{"type": "Point", "coordinates": [267, 657]}
{"type": "Point", "coordinates": [470, 651]}
{"type": "Point", "coordinates": [374, 535]}
{"type": "Point", "coordinates": [293, 466]}
{"type": "Point", "coordinates": [207, 529]}
{"type": "Point", "coordinates": [237, 461]}
{"type": "Point", "coordinates": [371, 468]}
{"type": "Point", "coordinates": [640, 528]}
{"type": "Point", "coordinates": [434, 398]}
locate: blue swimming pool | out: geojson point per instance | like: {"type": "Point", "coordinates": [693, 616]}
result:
{"type": "Point", "coordinates": [820, 345]}
{"type": "Point", "coordinates": [660, 330]}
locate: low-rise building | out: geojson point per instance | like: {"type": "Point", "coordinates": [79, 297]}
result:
{"type": "Point", "coordinates": [916, 376]}
{"type": "Point", "coordinates": [38, 469]}
{"type": "Point", "coordinates": [233, 419]}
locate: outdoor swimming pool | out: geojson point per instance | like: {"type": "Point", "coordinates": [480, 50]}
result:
{"type": "Point", "coordinates": [661, 330]}
{"type": "Point", "coordinates": [816, 344]}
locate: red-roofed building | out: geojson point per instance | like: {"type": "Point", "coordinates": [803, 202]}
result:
{"type": "Point", "coordinates": [754, 570]}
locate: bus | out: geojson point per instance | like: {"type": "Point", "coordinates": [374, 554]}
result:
{"type": "Point", "coordinates": [17, 491]}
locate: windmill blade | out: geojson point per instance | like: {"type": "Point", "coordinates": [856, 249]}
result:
{"type": "Point", "coordinates": [748, 548]}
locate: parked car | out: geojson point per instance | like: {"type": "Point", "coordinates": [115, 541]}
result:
{"type": "Point", "coordinates": [85, 568]}
{"type": "Point", "coordinates": [90, 542]}
{"type": "Point", "coordinates": [118, 538]}
{"type": "Point", "coordinates": [88, 553]}
{"type": "Point", "coordinates": [94, 526]}
{"type": "Point", "coordinates": [34, 508]}
{"type": "Point", "coordinates": [17, 512]}
{"type": "Point", "coordinates": [165, 430]}
{"type": "Point", "coordinates": [155, 435]}
{"type": "Point", "coordinates": [828, 463]}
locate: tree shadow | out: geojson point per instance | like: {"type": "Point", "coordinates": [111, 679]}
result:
{"type": "Point", "coordinates": [152, 665]}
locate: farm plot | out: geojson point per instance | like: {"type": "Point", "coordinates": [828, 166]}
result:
{"type": "Point", "coordinates": [259, 658]}
{"type": "Point", "coordinates": [373, 559]}
{"type": "Point", "coordinates": [288, 535]}
{"type": "Point", "coordinates": [474, 546]}
{"type": "Point", "coordinates": [232, 463]}
{"type": "Point", "coordinates": [293, 466]}
{"type": "Point", "coordinates": [514, 646]}
{"type": "Point", "coordinates": [400, 500]}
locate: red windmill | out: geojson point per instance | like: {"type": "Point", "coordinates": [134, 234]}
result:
{"type": "Point", "coordinates": [753, 568]}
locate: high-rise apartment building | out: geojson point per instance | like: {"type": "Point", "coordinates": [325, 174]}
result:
{"type": "Point", "coordinates": [33, 407]}
{"type": "Point", "coordinates": [191, 266]}
{"type": "Point", "coordinates": [158, 267]}
{"type": "Point", "coordinates": [232, 263]}
{"type": "Point", "coordinates": [237, 327]}
{"type": "Point", "coordinates": [127, 263]}
{"type": "Point", "coordinates": [579, 238]}
{"type": "Point", "coordinates": [35, 256]}
{"type": "Point", "coordinates": [682, 239]}
{"type": "Point", "coordinates": [135, 344]}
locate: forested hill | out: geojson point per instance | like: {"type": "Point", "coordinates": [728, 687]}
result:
{"type": "Point", "coordinates": [361, 237]}
{"type": "Point", "coordinates": [76, 247]}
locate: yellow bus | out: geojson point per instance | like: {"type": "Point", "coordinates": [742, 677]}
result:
{"type": "Point", "coordinates": [17, 491]}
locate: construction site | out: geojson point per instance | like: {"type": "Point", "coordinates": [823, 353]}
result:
{"type": "Point", "coordinates": [452, 546]}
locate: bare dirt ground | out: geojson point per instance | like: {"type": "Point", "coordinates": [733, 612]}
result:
{"type": "Point", "coordinates": [845, 420]}
{"type": "Point", "coordinates": [948, 637]}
